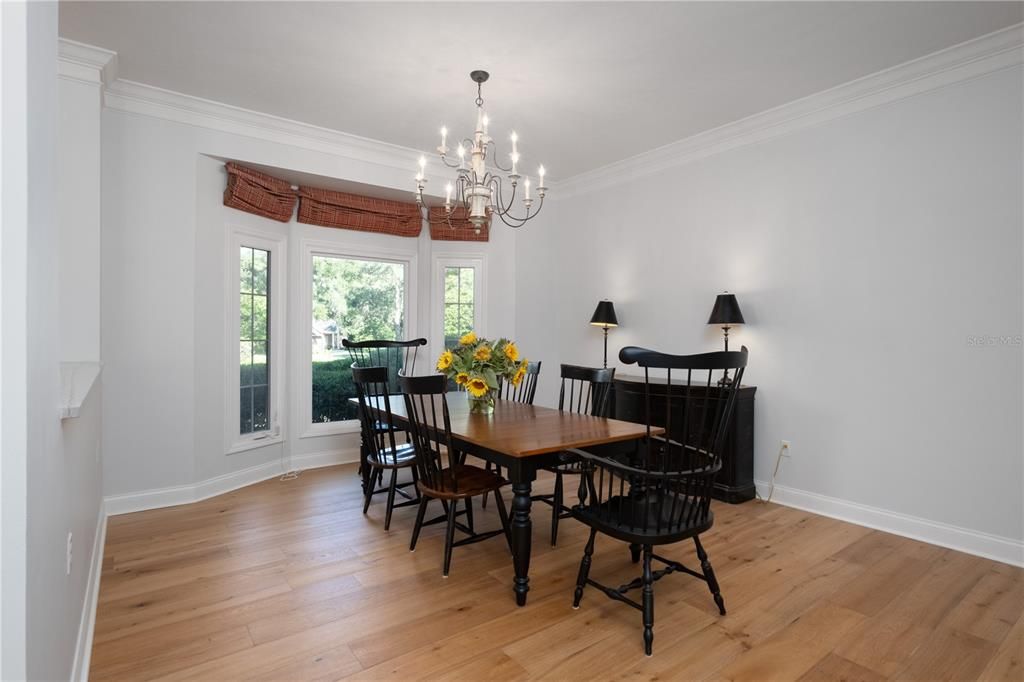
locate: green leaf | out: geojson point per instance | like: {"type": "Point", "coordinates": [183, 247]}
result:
{"type": "Point", "coordinates": [490, 377]}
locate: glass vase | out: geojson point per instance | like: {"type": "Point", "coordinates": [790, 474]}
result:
{"type": "Point", "coordinates": [482, 405]}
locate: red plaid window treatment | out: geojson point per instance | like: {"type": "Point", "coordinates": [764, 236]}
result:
{"type": "Point", "coordinates": [327, 208]}
{"type": "Point", "coordinates": [251, 191]}
{"type": "Point", "coordinates": [255, 192]}
{"type": "Point", "coordinates": [460, 230]}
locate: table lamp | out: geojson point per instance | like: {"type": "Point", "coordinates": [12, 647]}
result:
{"type": "Point", "coordinates": [604, 317]}
{"type": "Point", "coordinates": [726, 313]}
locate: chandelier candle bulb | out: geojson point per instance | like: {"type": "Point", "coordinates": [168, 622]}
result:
{"type": "Point", "coordinates": [448, 195]}
{"type": "Point", "coordinates": [541, 172]}
{"type": "Point", "coordinates": [515, 154]}
{"type": "Point", "coordinates": [487, 122]}
{"type": "Point", "coordinates": [526, 184]}
{"type": "Point", "coordinates": [515, 160]}
{"type": "Point", "coordinates": [444, 139]}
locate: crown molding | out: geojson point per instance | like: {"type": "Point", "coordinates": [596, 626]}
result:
{"type": "Point", "coordinates": [147, 100]}
{"type": "Point", "coordinates": [85, 63]}
{"type": "Point", "coordinates": [972, 59]}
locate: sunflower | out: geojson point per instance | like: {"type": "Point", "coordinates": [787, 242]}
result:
{"type": "Point", "coordinates": [468, 339]}
{"type": "Point", "coordinates": [511, 351]}
{"type": "Point", "coordinates": [462, 378]}
{"type": "Point", "coordinates": [517, 378]}
{"type": "Point", "coordinates": [483, 353]}
{"type": "Point", "coordinates": [445, 361]}
{"type": "Point", "coordinates": [477, 386]}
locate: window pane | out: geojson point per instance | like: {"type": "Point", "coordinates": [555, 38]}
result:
{"type": "Point", "coordinates": [245, 411]}
{"type": "Point", "coordinates": [259, 362]}
{"type": "Point", "coordinates": [260, 409]}
{"type": "Point", "coordinates": [356, 299]}
{"type": "Point", "coordinates": [253, 334]}
{"type": "Point", "coordinates": [245, 364]}
{"type": "Point", "coordinates": [245, 270]}
{"type": "Point", "coordinates": [259, 318]}
{"type": "Point", "coordinates": [245, 317]}
{"type": "Point", "coordinates": [260, 273]}
{"type": "Point", "coordinates": [458, 303]}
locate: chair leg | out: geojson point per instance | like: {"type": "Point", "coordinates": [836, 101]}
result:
{"type": "Point", "coordinates": [648, 601]}
{"type": "Point", "coordinates": [449, 537]}
{"type": "Point", "coordinates": [419, 521]}
{"type": "Point", "coordinates": [556, 508]}
{"type": "Point", "coordinates": [499, 501]}
{"type": "Point", "coordinates": [709, 576]}
{"type": "Point", "coordinates": [469, 514]}
{"type": "Point", "coordinates": [581, 579]}
{"type": "Point", "coordinates": [391, 499]}
{"type": "Point", "coordinates": [483, 500]}
{"type": "Point", "coordinates": [634, 552]}
{"type": "Point", "coordinates": [369, 488]}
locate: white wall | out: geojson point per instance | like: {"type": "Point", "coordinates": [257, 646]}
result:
{"type": "Point", "coordinates": [50, 472]}
{"type": "Point", "coordinates": [163, 299]}
{"type": "Point", "coordinates": [865, 252]}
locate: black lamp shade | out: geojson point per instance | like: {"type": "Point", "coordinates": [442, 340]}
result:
{"type": "Point", "coordinates": [604, 315]}
{"type": "Point", "coordinates": [726, 311]}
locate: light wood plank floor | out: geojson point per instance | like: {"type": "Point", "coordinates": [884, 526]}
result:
{"type": "Point", "coordinates": [287, 580]}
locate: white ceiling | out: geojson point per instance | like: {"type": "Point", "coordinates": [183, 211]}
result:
{"type": "Point", "coordinates": [583, 84]}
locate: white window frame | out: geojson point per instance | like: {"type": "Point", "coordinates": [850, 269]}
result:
{"type": "Point", "coordinates": [339, 249]}
{"type": "Point", "coordinates": [478, 262]}
{"type": "Point", "coordinates": [277, 245]}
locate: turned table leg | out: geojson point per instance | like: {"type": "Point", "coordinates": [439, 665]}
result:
{"type": "Point", "coordinates": [522, 531]}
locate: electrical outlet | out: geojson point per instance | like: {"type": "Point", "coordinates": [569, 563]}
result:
{"type": "Point", "coordinates": [71, 539]}
{"type": "Point", "coordinates": [786, 448]}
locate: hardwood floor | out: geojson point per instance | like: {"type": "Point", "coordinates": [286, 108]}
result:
{"type": "Point", "coordinates": [287, 580]}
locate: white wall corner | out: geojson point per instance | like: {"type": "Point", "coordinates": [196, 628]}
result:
{"type": "Point", "coordinates": [971, 59]}
{"type": "Point", "coordinates": [85, 63]}
{"type": "Point", "coordinates": [1007, 550]}
{"type": "Point", "coordinates": [87, 623]}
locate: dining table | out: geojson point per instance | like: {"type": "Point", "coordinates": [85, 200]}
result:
{"type": "Point", "coordinates": [523, 439]}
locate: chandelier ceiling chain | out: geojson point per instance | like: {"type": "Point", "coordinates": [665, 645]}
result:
{"type": "Point", "coordinates": [478, 190]}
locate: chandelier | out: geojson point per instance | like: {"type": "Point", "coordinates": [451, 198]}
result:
{"type": "Point", "coordinates": [479, 190]}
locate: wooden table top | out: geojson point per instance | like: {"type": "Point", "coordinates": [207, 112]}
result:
{"type": "Point", "coordinates": [525, 430]}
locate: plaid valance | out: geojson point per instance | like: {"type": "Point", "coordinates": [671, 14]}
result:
{"type": "Point", "coordinates": [460, 230]}
{"type": "Point", "coordinates": [251, 191]}
{"type": "Point", "coordinates": [255, 192]}
{"type": "Point", "coordinates": [327, 208]}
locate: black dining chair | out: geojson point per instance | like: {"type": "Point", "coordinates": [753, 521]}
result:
{"type": "Point", "coordinates": [443, 474]}
{"type": "Point", "coordinates": [661, 494]}
{"type": "Point", "coordinates": [584, 390]}
{"type": "Point", "coordinates": [521, 393]}
{"type": "Point", "coordinates": [396, 356]}
{"type": "Point", "coordinates": [384, 451]}
{"type": "Point", "coordinates": [525, 390]}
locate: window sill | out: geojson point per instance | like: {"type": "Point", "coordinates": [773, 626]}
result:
{"type": "Point", "coordinates": [331, 429]}
{"type": "Point", "coordinates": [254, 443]}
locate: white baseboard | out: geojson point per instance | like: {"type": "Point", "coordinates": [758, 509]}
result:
{"type": "Point", "coordinates": [1005, 550]}
{"type": "Point", "coordinates": [87, 623]}
{"type": "Point", "coordinates": [218, 485]}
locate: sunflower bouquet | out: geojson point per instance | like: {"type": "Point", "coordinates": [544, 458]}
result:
{"type": "Point", "coordinates": [478, 364]}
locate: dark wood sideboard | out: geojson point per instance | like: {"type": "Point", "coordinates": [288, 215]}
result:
{"type": "Point", "coordinates": [735, 482]}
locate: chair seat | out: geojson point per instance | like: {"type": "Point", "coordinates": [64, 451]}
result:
{"type": "Point", "coordinates": [642, 523]}
{"type": "Point", "coordinates": [472, 481]}
{"type": "Point", "coordinates": [403, 455]}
